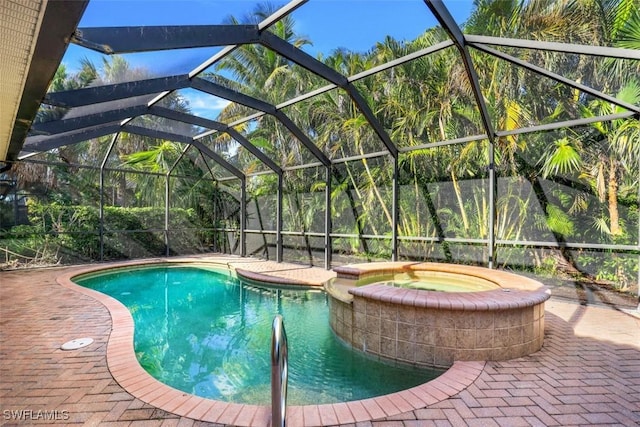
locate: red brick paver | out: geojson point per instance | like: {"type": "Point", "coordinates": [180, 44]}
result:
{"type": "Point", "coordinates": [588, 372]}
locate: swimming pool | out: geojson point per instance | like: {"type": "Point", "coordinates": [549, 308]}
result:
{"type": "Point", "coordinates": [205, 332]}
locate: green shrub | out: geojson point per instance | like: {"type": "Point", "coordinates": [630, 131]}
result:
{"type": "Point", "coordinates": [128, 232]}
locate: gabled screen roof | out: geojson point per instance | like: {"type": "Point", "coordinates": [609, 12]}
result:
{"type": "Point", "coordinates": [195, 66]}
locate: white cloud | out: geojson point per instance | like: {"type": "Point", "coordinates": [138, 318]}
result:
{"type": "Point", "coordinates": [205, 105]}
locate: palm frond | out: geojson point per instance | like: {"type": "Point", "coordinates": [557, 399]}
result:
{"type": "Point", "coordinates": [564, 159]}
{"type": "Point", "coordinates": [600, 224]}
{"type": "Point", "coordinates": [621, 16]}
{"type": "Point", "coordinates": [558, 221]}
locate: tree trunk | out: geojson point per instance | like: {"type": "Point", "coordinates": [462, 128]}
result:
{"type": "Point", "coordinates": [433, 213]}
{"type": "Point", "coordinates": [303, 226]}
{"type": "Point", "coordinates": [614, 215]}
{"type": "Point", "coordinates": [265, 247]}
{"type": "Point", "coordinates": [354, 210]}
{"type": "Point", "coordinates": [456, 188]}
{"type": "Point", "coordinates": [122, 190]}
{"type": "Point", "coordinates": [383, 205]}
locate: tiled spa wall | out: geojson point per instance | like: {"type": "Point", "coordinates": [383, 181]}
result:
{"type": "Point", "coordinates": [435, 337]}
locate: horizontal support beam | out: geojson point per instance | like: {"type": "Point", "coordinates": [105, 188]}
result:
{"type": "Point", "coordinates": [429, 145]}
{"type": "Point", "coordinates": [246, 119]}
{"type": "Point", "coordinates": [596, 247]}
{"type": "Point", "coordinates": [609, 52]}
{"type": "Point", "coordinates": [567, 124]}
{"type": "Point", "coordinates": [157, 134]}
{"type": "Point", "coordinates": [438, 239]}
{"type": "Point", "coordinates": [362, 156]}
{"type": "Point", "coordinates": [66, 125]}
{"type": "Point", "coordinates": [557, 77]}
{"type": "Point", "coordinates": [306, 96]}
{"type": "Point", "coordinates": [402, 60]}
{"type": "Point", "coordinates": [305, 166]}
{"type": "Point", "coordinates": [212, 60]}
{"type": "Point", "coordinates": [98, 94]}
{"type": "Point", "coordinates": [40, 143]}
{"type": "Point", "coordinates": [118, 40]}
{"type": "Point", "coordinates": [280, 13]}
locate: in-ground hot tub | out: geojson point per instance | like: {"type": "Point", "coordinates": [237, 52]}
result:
{"type": "Point", "coordinates": [407, 312]}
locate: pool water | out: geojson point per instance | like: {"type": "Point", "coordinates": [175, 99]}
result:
{"type": "Point", "coordinates": [435, 281]}
{"type": "Point", "coordinates": [206, 333]}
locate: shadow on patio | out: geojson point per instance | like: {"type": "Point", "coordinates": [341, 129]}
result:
{"type": "Point", "coordinates": [587, 373]}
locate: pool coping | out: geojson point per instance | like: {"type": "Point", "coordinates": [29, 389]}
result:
{"type": "Point", "coordinates": [513, 291]}
{"type": "Point", "coordinates": [126, 370]}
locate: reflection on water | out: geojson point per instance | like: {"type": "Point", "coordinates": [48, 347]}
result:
{"type": "Point", "coordinates": [206, 333]}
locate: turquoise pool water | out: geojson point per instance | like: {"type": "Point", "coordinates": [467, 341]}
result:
{"type": "Point", "coordinates": [437, 281]}
{"type": "Point", "coordinates": [206, 333]}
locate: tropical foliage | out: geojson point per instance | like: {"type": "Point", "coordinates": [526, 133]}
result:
{"type": "Point", "coordinates": [570, 186]}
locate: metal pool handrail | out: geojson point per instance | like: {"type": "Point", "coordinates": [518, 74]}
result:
{"type": "Point", "coordinates": [279, 373]}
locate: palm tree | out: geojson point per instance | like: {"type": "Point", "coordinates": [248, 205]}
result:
{"type": "Point", "coordinates": [614, 147]}
{"type": "Point", "coordinates": [259, 72]}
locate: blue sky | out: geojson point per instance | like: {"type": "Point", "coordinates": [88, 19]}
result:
{"type": "Point", "coordinates": [329, 24]}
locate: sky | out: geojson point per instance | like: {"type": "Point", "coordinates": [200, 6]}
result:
{"type": "Point", "coordinates": [329, 24]}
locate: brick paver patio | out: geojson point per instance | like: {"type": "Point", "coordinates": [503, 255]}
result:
{"type": "Point", "coordinates": [588, 372]}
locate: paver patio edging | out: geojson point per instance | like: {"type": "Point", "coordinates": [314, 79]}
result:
{"type": "Point", "coordinates": [126, 370]}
